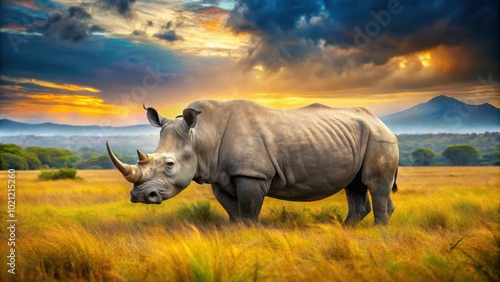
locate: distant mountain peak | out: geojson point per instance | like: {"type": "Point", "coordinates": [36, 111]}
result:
{"type": "Point", "coordinates": [443, 99]}
{"type": "Point", "coordinates": [444, 114]}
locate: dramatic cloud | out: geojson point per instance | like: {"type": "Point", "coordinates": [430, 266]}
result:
{"type": "Point", "coordinates": [62, 27]}
{"type": "Point", "coordinates": [79, 13]}
{"type": "Point", "coordinates": [122, 7]}
{"type": "Point", "coordinates": [138, 33]}
{"type": "Point", "coordinates": [72, 27]}
{"type": "Point", "coordinates": [96, 28]}
{"type": "Point", "coordinates": [169, 36]}
{"type": "Point", "coordinates": [384, 55]}
{"type": "Point", "coordinates": [380, 29]}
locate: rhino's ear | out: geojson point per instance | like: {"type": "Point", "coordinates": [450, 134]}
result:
{"type": "Point", "coordinates": [189, 117]}
{"type": "Point", "coordinates": [154, 117]}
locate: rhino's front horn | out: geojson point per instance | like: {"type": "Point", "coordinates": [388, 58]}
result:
{"type": "Point", "coordinates": [131, 172]}
{"type": "Point", "coordinates": [143, 158]}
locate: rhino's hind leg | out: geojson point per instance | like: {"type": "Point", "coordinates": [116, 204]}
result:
{"type": "Point", "coordinates": [381, 201]}
{"type": "Point", "coordinates": [228, 202]}
{"type": "Point", "coordinates": [390, 206]}
{"type": "Point", "coordinates": [357, 201]}
{"type": "Point", "coordinates": [379, 174]}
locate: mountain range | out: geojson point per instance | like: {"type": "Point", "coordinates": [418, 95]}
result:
{"type": "Point", "coordinates": [441, 114]}
{"type": "Point", "coordinates": [9, 128]}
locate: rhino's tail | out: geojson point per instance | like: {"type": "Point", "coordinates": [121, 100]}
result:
{"type": "Point", "coordinates": [395, 185]}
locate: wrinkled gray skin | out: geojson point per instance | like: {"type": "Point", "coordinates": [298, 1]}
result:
{"type": "Point", "coordinates": [246, 152]}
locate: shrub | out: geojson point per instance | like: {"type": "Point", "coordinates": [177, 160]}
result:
{"type": "Point", "coordinates": [328, 214]}
{"type": "Point", "coordinates": [199, 213]}
{"type": "Point", "coordinates": [289, 217]}
{"type": "Point", "coordinates": [62, 173]}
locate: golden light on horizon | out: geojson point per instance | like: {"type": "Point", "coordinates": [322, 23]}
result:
{"type": "Point", "coordinates": [74, 103]}
{"type": "Point", "coordinates": [283, 102]}
{"type": "Point", "coordinates": [48, 84]}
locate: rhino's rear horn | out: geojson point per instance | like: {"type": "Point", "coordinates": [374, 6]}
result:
{"type": "Point", "coordinates": [131, 172]}
{"type": "Point", "coordinates": [143, 158]}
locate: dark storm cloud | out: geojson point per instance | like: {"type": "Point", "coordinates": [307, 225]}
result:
{"type": "Point", "coordinates": [79, 13]}
{"type": "Point", "coordinates": [62, 27]}
{"type": "Point", "coordinates": [97, 28]}
{"type": "Point", "coordinates": [169, 36]}
{"type": "Point", "coordinates": [122, 7]}
{"type": "Point", "coordinates": [72, 26]}
{"type": "Point", "coordinates": [138, 33]}
{"type": "Point", "coordinates": [380, 29]}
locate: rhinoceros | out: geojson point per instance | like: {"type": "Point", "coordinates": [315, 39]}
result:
{"type": "Point", "coordinates": [246, 152]}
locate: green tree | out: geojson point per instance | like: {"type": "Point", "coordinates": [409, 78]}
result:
{"type": "Point", "coordinates": [103, 162]}
{"type": "Point", "coordinates": [14, 161]}
{"type": "Point", "coordinates": [422, 157]}
{"type": "Point", "coordinates": [461, 155]}
{"type": "Point", "coordinates": [3, 164]}
{"type": "Point", "coordinates": [67, 161]}
{"type": "Point", "coordinates": [11, 149]}
{"type": "Point", "coordinates": [49, 156]}
{"type": "Point", "coordinates": [22, 159]}
{"type": "Point", "coordinates": [32, 161]}
{"type": "Point", "coordinates": [491, 158]}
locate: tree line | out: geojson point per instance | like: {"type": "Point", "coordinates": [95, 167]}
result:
{"type": "Point", "coordinates": [32, 158]}
{"type": "Point", "coordinates": [457, 155]}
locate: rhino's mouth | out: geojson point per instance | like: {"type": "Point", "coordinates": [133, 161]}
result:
{"type": "Point", "coordinates": [148, 194]}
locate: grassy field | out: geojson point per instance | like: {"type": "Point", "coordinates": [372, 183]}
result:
{"type": "Point", "coordinates": [446, 227]}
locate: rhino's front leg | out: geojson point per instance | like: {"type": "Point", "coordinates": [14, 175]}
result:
{"type": "Point", "coordinates": [251, 193]}
{"type": "Point", "coordinates": [228, 202]}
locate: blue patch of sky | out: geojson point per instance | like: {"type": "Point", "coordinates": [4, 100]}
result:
{"type": "Point", "coordinates": [53, 60]}
{"type": "Point", "coordinates": [24, 16]}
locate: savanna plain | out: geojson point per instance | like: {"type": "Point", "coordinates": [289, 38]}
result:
{"type": "Point", "coordinates": [446, 227]}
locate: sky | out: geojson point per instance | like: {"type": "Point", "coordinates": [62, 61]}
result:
{"type": "Point", "coordinates": [97, 61]}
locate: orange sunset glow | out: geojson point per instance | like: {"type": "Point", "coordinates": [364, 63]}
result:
{"type": "Point", "coordinates": [69, 87]}
{"type": "Point", "coordinates": [167, 54]}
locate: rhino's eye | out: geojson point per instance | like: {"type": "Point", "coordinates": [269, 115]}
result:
{"type": "Point", "coordinates": [170, 164]}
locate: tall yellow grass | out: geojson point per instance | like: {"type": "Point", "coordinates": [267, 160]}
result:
{"type": "Point", "coordinates": [446, 227]}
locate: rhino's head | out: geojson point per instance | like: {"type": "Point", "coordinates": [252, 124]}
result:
{"type": "Point", "coordinates": [166, 172]}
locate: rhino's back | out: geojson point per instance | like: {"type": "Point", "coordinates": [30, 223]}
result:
{"type": "Point", "coordinates": [308, 153]}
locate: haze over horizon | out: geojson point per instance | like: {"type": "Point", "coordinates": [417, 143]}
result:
{"type": "Point", "coordinates": [82, 63]}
